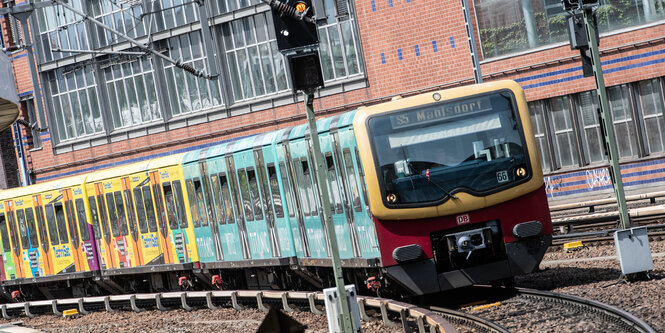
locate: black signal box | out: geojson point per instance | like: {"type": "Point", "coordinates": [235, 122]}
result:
{"type": "Point", "coordinates": [294, 24]}
{"type": "Point", "coordinates": [306, 72]}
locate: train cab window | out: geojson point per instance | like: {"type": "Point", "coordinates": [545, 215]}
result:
{"type": "Point", "coordinates": [256, 196]}
{"type": "Point", "coordinates": [6, 246]}
{"type": "Point", "coordinates": [120, 211]}
{"type": "Point", "coordinates": [363, 187]}
{"type": "Point", "coordinates": [217, 193]}
{"type": "Point", "coordinates": [300, 187]}
{"type": "Point", "coordinates": [113, 216]}
{"type": "Point", "coordinates": [171, 214]}
{"type": "Point", "coordinates": [140, 210]}
{"type": "Point", "coordinates": [309, 188]}
{"type": "Point", "coordinates": [274, 191]}
{"type": "Point", "coordinates": [32, 228]}
{"type": "Point", "coordinates": [351, 173]}
{"type": "Point", "coordinates": [69, 210]}
{"type": "Point", "coordinates": [244, 193]}
{"type": "Point", "coordinates": [131, 213]}
{"type": "Point", "coordinates": [52, 226]}
{"type": "Point", "coordinates": [226, 195]}
{"type": "Point", "coordinates": [200, 202]}
{"type": "Point", "coordinates": [335, 196]}
{"type": "Point", "coordinates": [103, 219]}
{"type": "Point", "coordinates": [180, 203]}
{"type": "Point", "coordinates": [62, 223]}
{"type": "Point", "coordinates": [83, 220]}
{"type": "Point", "coordinates": [23, 229]}
{"type": "Point", "coordinates": [43, 232]}
{"type": "Point", "coordinates": [288, 193]}
{"type": "Point", "coordinates": [149, 209]}
{"type": "Point", "coordinates": [192, 203]}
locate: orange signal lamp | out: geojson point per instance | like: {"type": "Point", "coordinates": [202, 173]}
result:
{"type": "Point", "coordinates": [301, 7]}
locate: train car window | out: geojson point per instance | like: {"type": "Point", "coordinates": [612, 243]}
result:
{"type": "Point", "coordinates": [140, 210]}
{"type": "Point", "coordinates": [200, 202]}
{"type": "Point", "coordinates": [120, 211]}
{"type": "Point", "coordinates": [363, 187]}
{"type": "Point", "coordinates": [95, 217]}
{"type": "Point", "coordinates": [83, 221]}
{"type": "Point", "coordinates": [274, 191]}
{"type": "Point", "coordinates": [290, 200]}
{"type": "Point", "coordinates": [233, 189]}
{"type": "Point", "coordinates": [309, 188]}
{"type": "Point", "coordinates": [23, 229]}
{"type": "Point", "coordinates": [180, 203]}
{"type": "Point", "coordinates": [113, 217]}
{"type": "Point", "coordinates": [193, 208]}
{"type": "Point", "coordinates": [32, 228]}
{"type": "Point", "coordinates": [6, 246]}
{"type": "Point", "coordinates": [131, 212]}
{"type": "Point", "coordinates": [52, 226]}
{"type": "Point", "coordinates": [103, 219]}
{"type": "Point", "coordinates": [254, 191]}
{"type": "Point", "coordinates": [62, 223]}
{"type": "Point", "coordinates": [69, 210]}
{"type": "Point", "coordinates": [244, 193]}
{"type": "Point", "coordinates": [43, 233]}
{"type": "Point", "coordinates": [302, 192]}
{"type": "Point", "coordinates": [159, 202]}
{"type": "Point", "coordinates": [217, 193]}
{"type": "Point", "coordinates": [226, 195]}
{"type": "Point", "coordinates": [207, 195]}
{"type": "Point", "coordinates": [171, 214]}
{"type": "Point", "coordinates": [13, 232]}
{"type": "Point", "coordinates": [335, 196]}
{"type": "Point", "coordinates": [263, 189]}
{"type": "Point", "coordinates": [350, 172]}
{"type": "Point", "coordinates": [149, 209]}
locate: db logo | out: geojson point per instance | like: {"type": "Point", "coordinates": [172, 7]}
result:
{"type": "Point", "coordinates": [463, 219]}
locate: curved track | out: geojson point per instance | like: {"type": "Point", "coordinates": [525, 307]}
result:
{"type": "Point", "coordinates": [473, 323]}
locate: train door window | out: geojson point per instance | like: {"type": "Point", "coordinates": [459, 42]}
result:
{"type": "Point", "coordinates": [52, 226]}
{"type": "Point", "coordinates": [290, 200]}
{"type": "Point", "coordinates": [207, 195]}
{"type": "Point", "coordinates": [233, 189]}
{"type": "Point", "coordinates": [140, 210]}
{"type": "Point", "coordinates": [43, 233]}
{"type": "Point", "coordinates": [23, 229]}
{"type": "Point", "coordinates": [254, 191]}
{"type": "Point", "coordinates": [192, 203]}
{"type": "Point", "coordinates": [13, 231]}
{"type": "Point", "coordinates": [244, 193]}
{"type": "Point", "coordinates": [69, 210]}
{"type": "Point", "coordinates": [83, 221]}
{"type": "Point", "coordinates": [335, 196]}
{"type": "Point", "coordinates": [95, 217]}
{"type": "Point", "coordinates": [120, 211]}
{"type": "Point", "coordinates": [6, 246]}
{"type": "Point", "coordinates": [309, 187]}
{"type": "Point", "coordinates": [180, 203]}
{"type": "Point", "coordinates": [62, 223]}
{"type": "Point", "coordinates": [103, 219]}
{"type": "Point", "coordinates": [300, 187]}
{"type": "Point", "coordinates": [348, 162]}
{"type": "Point", "coordinates": [113, 216]}
{"type": "Point", "coordinates": [217, 197]}
{"type": "Point", "coordinates": [160, 214]}
{"type": "Point", "coordinates": [171, 214]}
{"type": "Point", "coordinates": [32, 228]}
{"type": "Point", "coordinates": [131, 213]}
{"type": "Point", "coordinates": [363, 187]}
{"type": "Point", "coordinates": [226, 195]}
{"type": "Point", "coordinates": [200, 202]}
{"type": "Point", "coordinates": [149, 209]}
{"type": "Point", "coordinates": [274, 191]}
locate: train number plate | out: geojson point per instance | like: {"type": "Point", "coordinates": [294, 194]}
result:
{"type": "Point", "coordinates": [502, 176]}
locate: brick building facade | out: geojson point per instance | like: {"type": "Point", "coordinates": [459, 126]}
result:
{"type": "Point", "coordinates": [376, 50]}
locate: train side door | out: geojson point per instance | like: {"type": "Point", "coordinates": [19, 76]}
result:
{"type": "Point", "coordinates": [88, 246]}
{"type": "Point", "coordinates": [43, 235]}
{"type": "Point", "coordinates": [177, 219]}
{"type": "Point", "coordinates": [17, 255]}
{"type": "Point", "coordinates": [202, 232]}
{"type": "Point", "coordinates": [63, 262]}
{"type": "Point", "coordinates": [26, 217]}
{"type": "Point", "coordinates": [229, 230]}
{"type": "Point", "coordinates": [147, 222]}
{"type": "Point", "coordinates": [237, 204]}
{"type": "Point", "coordinates": [109, 254]}
{"type": "Point", "coordinates": [272, 187]}
{"type": "Point", "coordinates": [8, 261]}
{"type": "Point", "coordinates": [293, 215]}
{"type": "Point", "coordinates": [135, 243]}
{"type": "Point", "coordinates": [70, 216]}
{"type": "Point", "coordinates": [164, 239]}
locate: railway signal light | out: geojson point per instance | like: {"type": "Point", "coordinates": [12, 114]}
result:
{"type": "Point", "coordinates": [295, 25]}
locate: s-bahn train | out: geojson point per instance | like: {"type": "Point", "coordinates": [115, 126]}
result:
{"type": "Point", "coordinates": [428, 193]}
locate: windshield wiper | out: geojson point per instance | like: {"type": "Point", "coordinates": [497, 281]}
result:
{"type": "Point", "coordinates": [439, 186]}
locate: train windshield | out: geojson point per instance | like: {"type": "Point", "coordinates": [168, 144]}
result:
{"type": "Point", "coordinates": [427, 154]}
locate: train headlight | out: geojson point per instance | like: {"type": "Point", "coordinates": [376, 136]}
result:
{"type": "Point", "coordinates": [391, 198]}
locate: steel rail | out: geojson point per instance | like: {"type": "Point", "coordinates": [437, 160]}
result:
{"type": "Point", "coordinates": [478, 324]}
{"type": "Point", "coordinates": [625, 319]}
{"type": "Point", "coordinates": [412, 317]}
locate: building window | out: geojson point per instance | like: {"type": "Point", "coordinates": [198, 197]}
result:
{"type": "Point", "coordinates": [33, 129]}
{"type": "Point", "coordinates": [254, 62]}
{"type": "Point", "coordinates": [623, 120]}
{"type": "Point", "coordinates": [60, 28]}
{"type": "Point", "coordinates": [650, 103]}
{"type": "Point", "coordinates": [225, 6]}
{"type": "Point", "coordinates": [593, 139]}
{"type": "Point", "coordinates": [123, 16]}
{"type": "Point", "coordinates": [187, 92]}
{"type": "Point", "coordinates": [169, 14]}
{"type": "Point", "coordinates": [75, 106]}
{"type": "Point", "coordinates": [537, 112]}
{"type": "Point", "coordinates": [338, 45]}
{"type": "Point", "coordinates": [131, 92]}
{"type": "Point", "coordinates": [565, 142]}
{"type": "Point", "coordinates": [509, 26]}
